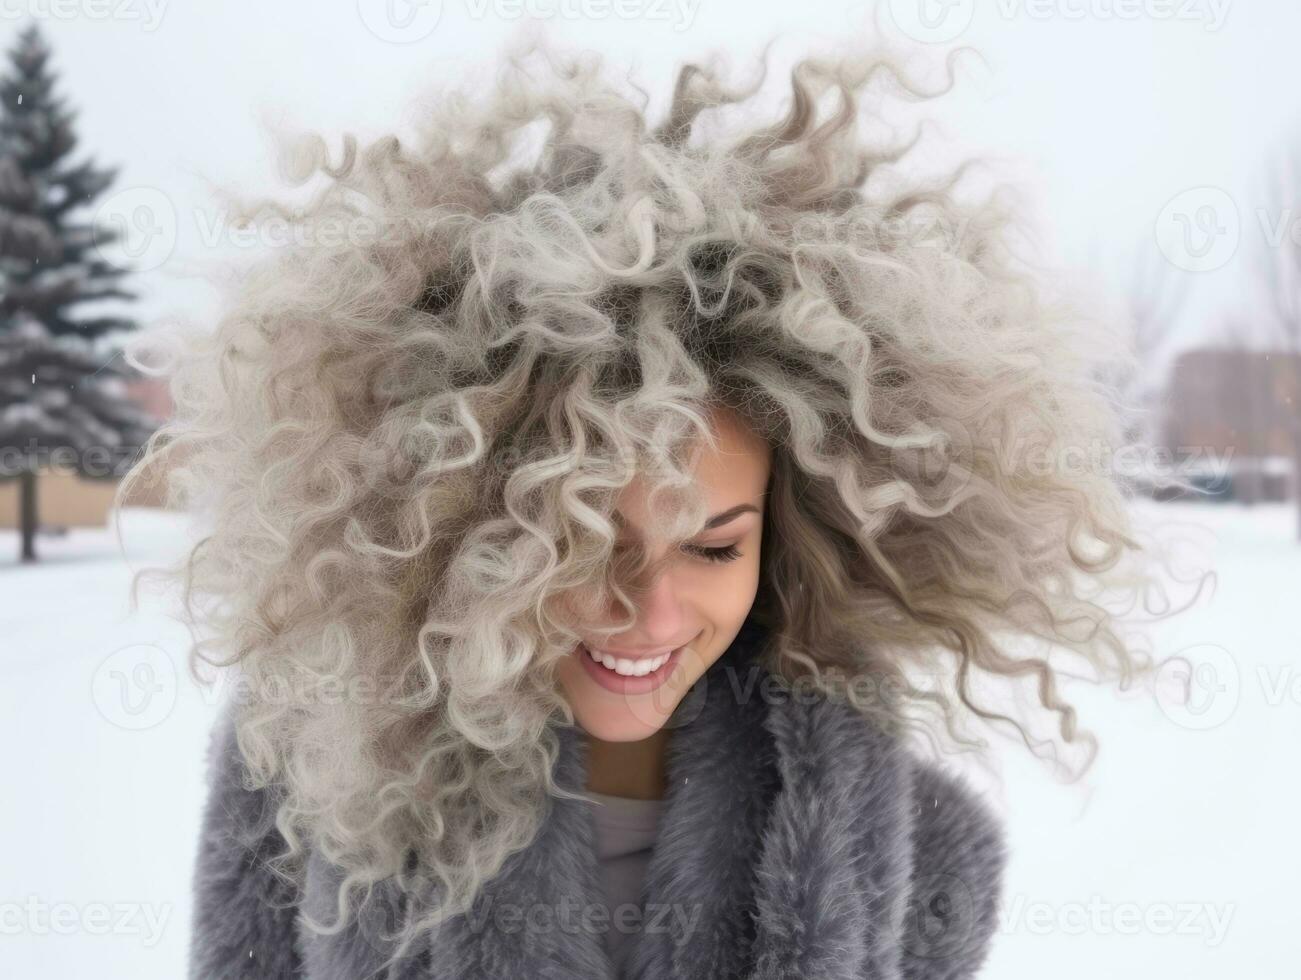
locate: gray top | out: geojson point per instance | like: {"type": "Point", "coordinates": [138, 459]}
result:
{"type": "Point", "coordinates": [625, 835]}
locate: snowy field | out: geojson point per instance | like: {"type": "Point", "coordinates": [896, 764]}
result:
{"type": "Point", "coordinates": [1178, 856]}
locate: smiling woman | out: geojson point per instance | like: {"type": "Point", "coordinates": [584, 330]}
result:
{"type": "Point", "coordinates": [691, 598]}
{"type": "Point", "coordinates": [568, 481]}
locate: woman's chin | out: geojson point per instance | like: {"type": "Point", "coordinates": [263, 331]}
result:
{"type": "Point", "coordinates": [613, 717]}
{"type": "Point", "coordinates": [609, 727]}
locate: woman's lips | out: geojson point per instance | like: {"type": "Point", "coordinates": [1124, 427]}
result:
{"type": "Point", "coordinates": [623, 684]}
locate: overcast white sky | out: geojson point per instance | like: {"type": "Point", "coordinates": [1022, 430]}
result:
{"type": "Point", "coordinates": [1107, 110]}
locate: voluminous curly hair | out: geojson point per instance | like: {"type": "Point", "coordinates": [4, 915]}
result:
{"type": "Point", "coordinates": [407, 434]}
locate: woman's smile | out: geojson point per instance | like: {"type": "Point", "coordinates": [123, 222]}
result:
{"type": "Point", "coordinates": [628, 675]}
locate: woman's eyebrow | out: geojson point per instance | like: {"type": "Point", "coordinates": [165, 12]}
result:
{"type": "Point", "coordinates": [718, 520]}
{"type": "Point", "coordinates": [729, 514]}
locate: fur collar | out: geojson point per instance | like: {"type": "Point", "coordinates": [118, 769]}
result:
{"type": "Point", "coordinates": [797, 843]}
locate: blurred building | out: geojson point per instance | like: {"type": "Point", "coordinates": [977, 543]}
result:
{"type": "Point", "coordinates": [1241, 408]}
{"type": "Point", "coordinates": [65, 500]}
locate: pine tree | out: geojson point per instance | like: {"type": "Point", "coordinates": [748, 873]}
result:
{"type": "Point", "coordinates": [61, 408]}
{"type": "Point", "coordinates": [63, 403]}
{"type": "Point", "coordinates": [49, 262]}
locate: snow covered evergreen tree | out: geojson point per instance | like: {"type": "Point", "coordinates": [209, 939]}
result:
{"type": "Point", "coordinates": [62, 409]}
{"type": "Point", "coordinates": [63, 402]}
{"type": "Point", "coordinates": [49, 261]}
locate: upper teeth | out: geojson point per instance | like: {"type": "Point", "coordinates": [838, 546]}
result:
{"type": "Point", "coordinates": [630, 668]}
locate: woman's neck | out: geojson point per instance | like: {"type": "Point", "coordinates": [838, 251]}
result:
{"type": "Point", "coordinates": [631, 769]}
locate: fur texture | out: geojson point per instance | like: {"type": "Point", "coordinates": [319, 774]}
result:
{"type": "Point", "coordinates": [798, 842]}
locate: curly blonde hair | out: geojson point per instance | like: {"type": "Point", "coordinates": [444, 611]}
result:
{"type": "Point", "coordinates": [407, 434]}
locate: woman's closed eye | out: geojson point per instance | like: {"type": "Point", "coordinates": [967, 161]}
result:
{"type": "Point", "coordinates": [724, 554]}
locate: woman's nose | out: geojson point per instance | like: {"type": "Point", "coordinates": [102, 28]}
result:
{"type": "Point", "coordinates": [660, 611]}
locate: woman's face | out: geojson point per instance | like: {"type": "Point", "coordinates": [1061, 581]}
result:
{"type": "Point", "coordinates": [696, 606]}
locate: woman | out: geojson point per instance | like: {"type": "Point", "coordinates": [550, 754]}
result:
{"type": "Point", "coordinates": [594, 526]}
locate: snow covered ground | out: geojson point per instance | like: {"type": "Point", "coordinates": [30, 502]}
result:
{"type": "Point", "coordinates": [1178, 856]}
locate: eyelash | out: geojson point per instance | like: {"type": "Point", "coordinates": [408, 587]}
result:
{"type": "Point", "coordinates": [730, 553]}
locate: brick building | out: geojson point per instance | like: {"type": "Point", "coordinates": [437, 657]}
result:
{"type": "Point", "coordinates": [65, 500]}
{"type": "Point", "coordinates": [1243, 406]}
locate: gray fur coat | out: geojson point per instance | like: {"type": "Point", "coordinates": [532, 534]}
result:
{"type": "Point", "coordinates": [797, 843]}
